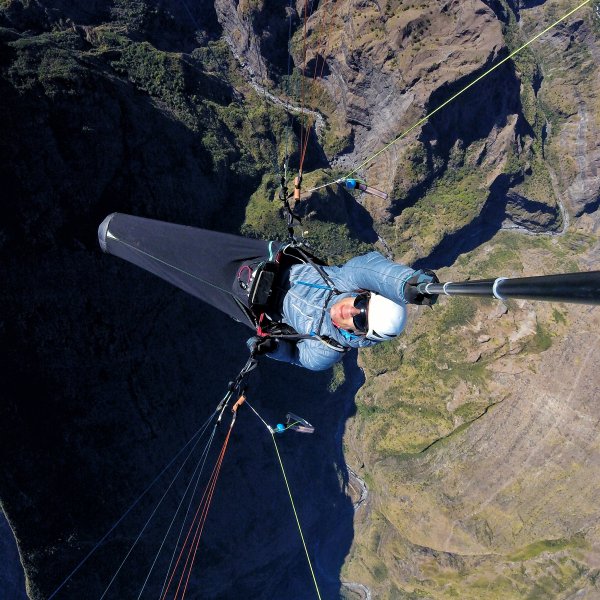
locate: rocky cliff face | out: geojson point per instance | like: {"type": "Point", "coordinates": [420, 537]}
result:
{"type": "Point", "coordinates": [475, 432]}
{"type": "Point", "coordinates": [386, 66]}
{"type": "Point", "coordinates": [257, 33]}
{"type": "Point", "coordinates": [506, 503]}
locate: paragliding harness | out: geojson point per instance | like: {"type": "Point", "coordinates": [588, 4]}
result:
{"type": "Point", "coordinates": [266, 282]}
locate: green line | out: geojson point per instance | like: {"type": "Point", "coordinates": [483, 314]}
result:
{"type": "Point", "coordinates": [271, 431]}
{"type": "Point", "coordinates": [297, 519]}
{"type": "Point", "coordinates": [176, 268]}
{"type": "Point", "coordinates": [167, 264]}
{"type": "Point", "coordinates": [428, 116]}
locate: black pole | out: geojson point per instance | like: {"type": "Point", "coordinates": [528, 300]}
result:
{"type": "Point", "coordinates": [580, 288]}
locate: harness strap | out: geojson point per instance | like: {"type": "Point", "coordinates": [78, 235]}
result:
{"type": "Point", "coordinates": [319, 269]}
{"type": "Point", "coordinates": [263, 331]}
{"type": "Point", "coordinates": [266, 328]}
{"type": "Point", "coordinates": [323, 311]}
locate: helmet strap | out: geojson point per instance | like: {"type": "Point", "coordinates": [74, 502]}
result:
{"type": "Point", "coordinates": [347, 335]}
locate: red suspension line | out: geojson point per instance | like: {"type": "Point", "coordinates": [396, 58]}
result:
{"type": "Point", "coordinates": [328, 28]}
{"type": "Point", "coordinates": [302, 106]}
{"type": "Point", "coordinates": [203, 506]}
{"type": "Point", "coordinates": [174, 570]}
{"type": "Point", "coordinates": [204, 516]}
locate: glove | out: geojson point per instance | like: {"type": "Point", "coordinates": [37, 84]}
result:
{"type": "Point", "coordinates": [259, 345]}
{"type": "Point", "coordinates": [411, 293]}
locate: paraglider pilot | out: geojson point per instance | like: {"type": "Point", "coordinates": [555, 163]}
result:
{"type": "Point", "coordinates": [362, 303]}
{"type": "Point", "coordinates": [303, 311]}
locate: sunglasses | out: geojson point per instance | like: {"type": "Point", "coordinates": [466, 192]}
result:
{"type": "Point", "coordinates": [360, 320]}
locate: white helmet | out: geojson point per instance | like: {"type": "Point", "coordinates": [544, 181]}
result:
{"type": "Point", "coordinates": [386, 318]}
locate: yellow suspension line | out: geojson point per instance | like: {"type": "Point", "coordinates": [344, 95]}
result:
{"type": "Point", "coordinates": [291, 500]}
{"type": "Point", "coordinates": [296, 515]}
{"type": "Point", "coordinates": [428, 116]}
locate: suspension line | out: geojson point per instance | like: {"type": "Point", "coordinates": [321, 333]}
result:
{"type": "Point", "coordinates": [451, 99]}
{"type": "Point", "coordinates": [272, 432]}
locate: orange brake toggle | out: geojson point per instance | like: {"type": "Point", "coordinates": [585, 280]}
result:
{"type": "Point", "coordinates": [240, 401]}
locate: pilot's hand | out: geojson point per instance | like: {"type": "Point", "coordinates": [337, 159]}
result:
{"type": "Point", "coordinates": [412, 293]}
{"type": "Point", "coordinates": [260, 345]}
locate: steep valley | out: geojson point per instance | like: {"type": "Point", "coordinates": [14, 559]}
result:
{"type": "Point", "coordinates": [461, 460]}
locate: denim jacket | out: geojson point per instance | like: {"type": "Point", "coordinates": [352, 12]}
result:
{"type": "Point", "coordinates": [309, 298]}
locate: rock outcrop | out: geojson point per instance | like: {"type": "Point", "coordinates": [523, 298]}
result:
{"type": "Point", "coordinates": [384, 67]}
{"type": "Point", "coordinates": [257, 33]}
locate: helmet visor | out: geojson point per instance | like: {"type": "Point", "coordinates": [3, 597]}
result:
{"type": "Point", "coordinates": [360, 320]}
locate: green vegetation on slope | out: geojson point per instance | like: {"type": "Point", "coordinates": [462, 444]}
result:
{"type": "Point", "coordinates": [452, 202]}
{"type": "Point", "coordinates": [324, 220]}
{"type": "Point", "coordinates": [425, 387]}
{"type": "Point", "coordinates": [547, 546]}
{"type": "Point", "coordinates": [435, 377]}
